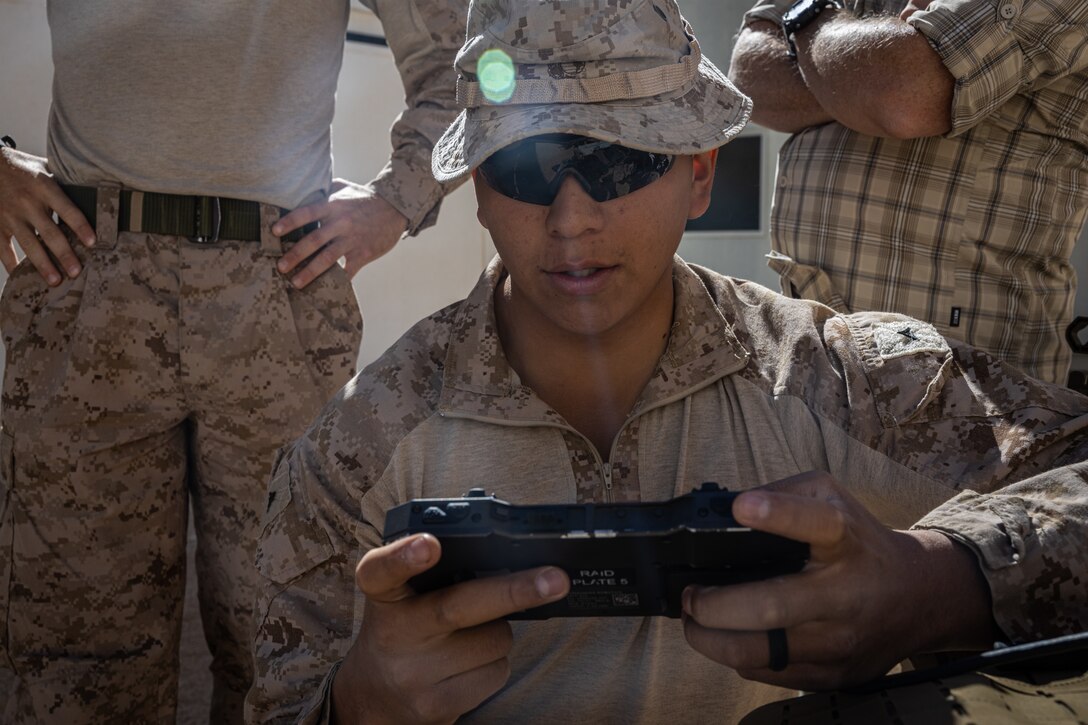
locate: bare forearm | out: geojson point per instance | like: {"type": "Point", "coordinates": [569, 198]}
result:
{"type": "Point", "coordinates": [877, 76]}
{"type": "Point", "coordinates": [761, 68]}
{"type": "Point", "coordinates": [947, 595]}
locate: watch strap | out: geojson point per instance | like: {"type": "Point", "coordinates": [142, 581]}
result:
{"type": "Point", "coordinates": [799, 15]}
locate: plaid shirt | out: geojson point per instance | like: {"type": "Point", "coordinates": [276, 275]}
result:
{"type": "Point", "coordinates": [971, 231]}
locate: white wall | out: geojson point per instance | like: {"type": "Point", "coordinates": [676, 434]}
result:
{"type": "Point", "coordinates": [422, 273]}
{"type": "Point", "coordinates": [24, 84]}
{"type": "Point", "coordinates": [741, 255]}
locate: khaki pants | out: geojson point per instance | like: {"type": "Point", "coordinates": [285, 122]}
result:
{"type": "Point", "coordinates": [165, 370]}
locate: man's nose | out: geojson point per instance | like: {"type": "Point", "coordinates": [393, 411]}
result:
{"type": "Point", "coordinates": [573, 211]}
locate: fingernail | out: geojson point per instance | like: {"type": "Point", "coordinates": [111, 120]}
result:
{"type": "Point", "coordinates": [297, 282]}
{"type": "Point", "coordinates": [73, 271]}
{"type": "Point", "coordinates": [281, 266]}
{"type": "Point", "coordinates": [548, 582]}
{"type": "Point", "coordinates": [755, 506]}
{"type": "Point", "coordinates": [418, 552]}
{"type": "Point", "coordinates": [277, 229]}
{"type": "Point", "coordinates": [90, 241]}
{"type": "Point", "coordinates": [53, 279]}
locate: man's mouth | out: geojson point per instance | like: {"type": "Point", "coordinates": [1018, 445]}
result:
{"type": "Point", "coordinates": [583, 277]}
{"type": "Point", "coordinates": [581, 272]}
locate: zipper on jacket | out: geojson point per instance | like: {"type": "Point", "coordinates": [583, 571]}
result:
{"type": "Point", "coordinates": [606, 470]}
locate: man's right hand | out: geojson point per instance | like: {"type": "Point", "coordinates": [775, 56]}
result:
{"type": "Point", "coordinates": [431, 658]}
{"type": "Point", "coordinates": [28, 198]}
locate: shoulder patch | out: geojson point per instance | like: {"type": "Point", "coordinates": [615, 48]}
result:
{"type": "Point", "coordinates": [907, 337]}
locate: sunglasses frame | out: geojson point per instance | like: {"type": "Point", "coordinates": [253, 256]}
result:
{"type": "Point", "coordinates": [592, 162]}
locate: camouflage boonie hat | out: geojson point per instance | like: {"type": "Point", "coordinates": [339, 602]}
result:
{"type": "Point", "coordinates": [622, 71]}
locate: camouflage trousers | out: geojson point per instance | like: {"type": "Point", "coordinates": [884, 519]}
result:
{"type": "Point", "coordinates": [166, 370]}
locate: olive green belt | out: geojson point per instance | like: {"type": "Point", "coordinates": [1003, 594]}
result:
{"type": "Point", "coordinates": [200, 219]}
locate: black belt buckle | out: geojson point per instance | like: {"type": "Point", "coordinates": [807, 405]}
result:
{"type": "Point", "coordinates": [206, 215]}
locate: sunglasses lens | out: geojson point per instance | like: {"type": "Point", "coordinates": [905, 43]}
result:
{"type": "Point", "coordinates": [533, 170]}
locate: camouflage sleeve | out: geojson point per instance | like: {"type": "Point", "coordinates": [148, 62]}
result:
{"type": "Point", "coordinates": [1014, 450]}
{"type": "Point", "coordinates": [1030, 542]}
{"type": "Point", "coordinates": [424, 36]}
{"type": "Point", "coordinates": [326, 507]}
{"type": "Point", "coordinates": [307, 602]}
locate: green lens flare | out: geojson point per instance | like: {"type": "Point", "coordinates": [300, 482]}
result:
{"type": "Point", "coordinates": [496, 73]}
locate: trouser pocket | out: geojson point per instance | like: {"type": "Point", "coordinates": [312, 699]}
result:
{"type": "Point", "coordinates": [329, 326]}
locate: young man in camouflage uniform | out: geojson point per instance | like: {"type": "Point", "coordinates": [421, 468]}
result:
{"type": "Point", "coordinates": [196, 335]}
{"type": "Point", "coordinates": [590, 364]}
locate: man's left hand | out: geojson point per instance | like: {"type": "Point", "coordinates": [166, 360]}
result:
{"type": "Point", "coordinates": [869, 597]}
{"type": "Point", "coordinates": [356, 224]}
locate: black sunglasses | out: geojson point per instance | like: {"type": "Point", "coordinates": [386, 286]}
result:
{"type": "Point", "coordinates": [532, 170]}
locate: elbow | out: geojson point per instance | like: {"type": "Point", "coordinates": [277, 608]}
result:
{"type": "Point", "coordinates": [781, 120]}
{"type": "Point", "coordinates": [769, 108]}
{"type": "Point", "coordinates": [913, 109]}
{"type": "Point", "coordinates": [915, 123]}
{"type": "Point", "coordinates": [766, 111]}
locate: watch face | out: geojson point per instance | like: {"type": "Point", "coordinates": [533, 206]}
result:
{"type": "Point", "coordinates": [795, 11]}
{"type": "Point", "coordinates": [803, 12]}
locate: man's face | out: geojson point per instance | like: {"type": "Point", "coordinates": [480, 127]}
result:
{"type": "Point", "coordinates": [594, 268]}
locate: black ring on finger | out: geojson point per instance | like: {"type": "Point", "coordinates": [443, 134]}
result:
{"type": "Point", "coordinates": [780, 651]}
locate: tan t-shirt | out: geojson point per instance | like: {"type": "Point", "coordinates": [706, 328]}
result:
{"type": "Point", "coordinates": [235, 98]}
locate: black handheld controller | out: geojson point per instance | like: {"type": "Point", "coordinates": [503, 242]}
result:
{"type": "Point", "coordinates": [623, 559]}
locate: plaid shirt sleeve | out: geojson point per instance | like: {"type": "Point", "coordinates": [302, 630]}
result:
{"type": "Point", "coordinates": [424, 36]}
{"type": "Point", "coordinates": [997, 49]}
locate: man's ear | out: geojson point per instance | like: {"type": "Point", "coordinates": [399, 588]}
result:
{"type": "Point", "coordinates": [702, 181]}
{"type": "Point", "coordinates": [479, 212]}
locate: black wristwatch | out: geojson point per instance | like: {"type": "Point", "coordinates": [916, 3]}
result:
{"type": "Point", "coordinates": [800, 14]}
{"type": "Point", "coordinates": [7, 141]}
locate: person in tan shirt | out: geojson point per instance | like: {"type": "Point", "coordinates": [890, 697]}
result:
{"type": "Point", "coordinates": [941, 491]}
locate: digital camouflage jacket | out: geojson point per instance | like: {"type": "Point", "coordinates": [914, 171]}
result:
{"type": "Point", "coordinates": [752, 387]}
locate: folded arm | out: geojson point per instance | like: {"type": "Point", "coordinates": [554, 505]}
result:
{"type": "Point", "coordinates": [877, 76]}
